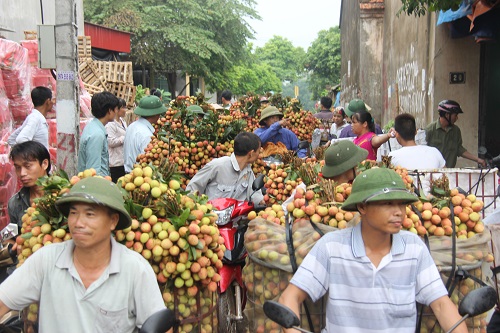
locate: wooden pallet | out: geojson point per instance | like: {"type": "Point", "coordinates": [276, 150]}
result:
{"type": "Point", "coordinates": [84, 48]}
{"type": "Point", "coordinates": [123, 90]}
{"type": "Point", "coordinates": [91, 75]}
{"type": "Point", "coordinates": [116, 71]}
{"type": "Point", "coordinates": [91, 89]}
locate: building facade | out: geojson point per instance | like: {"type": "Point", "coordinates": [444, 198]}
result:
{"type": "Point", "coordinates": [399, 63]}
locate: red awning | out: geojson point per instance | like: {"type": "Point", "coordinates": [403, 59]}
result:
{"type": "Point", "coordinates": [107, 38]}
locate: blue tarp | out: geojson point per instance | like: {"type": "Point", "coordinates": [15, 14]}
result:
{"type": "Point", "coordinates": [450, 15]}
{"type": "Point", "coordinates": [337, 100]}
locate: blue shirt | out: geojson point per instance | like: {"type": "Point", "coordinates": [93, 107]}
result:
{"type": "Point", "coordinates": [93, 151]}
{"type": "Point", "coordinates": [275, 133]}
{"type": "Point", "coordinates": [137, 137]}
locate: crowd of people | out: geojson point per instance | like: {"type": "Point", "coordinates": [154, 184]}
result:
{"type": "Point", "coordinates": [392, 268]}
{"type": "Point", "coordinates": [443, 137]}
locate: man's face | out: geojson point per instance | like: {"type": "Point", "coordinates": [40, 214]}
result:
{"type": "Point", "coordinates": [90, 224]}
{"type": "Point", "coordinates": [385, 217]}
{"type": "Point", "coordinates": [253, 155]}
{"type": "Point", "coordinates": [50, 103]}
{"type": "Point", "coordinates": [112, 114]}
{"type": "Point", "coordinates": [29, 171]}
{"type": "Point", "coordinates": [453, 117]}
{"type": "Point", "coordinates": [271, 120]}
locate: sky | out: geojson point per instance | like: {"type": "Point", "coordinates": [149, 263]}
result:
{"type": "Point", "coordinates": [296, 20]}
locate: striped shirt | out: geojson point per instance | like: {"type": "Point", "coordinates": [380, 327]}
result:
{"type": "Point", "coordinates": [365, 298]}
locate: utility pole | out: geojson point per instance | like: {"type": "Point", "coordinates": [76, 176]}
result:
{"type": "Point", "coordinates": [68, 106]}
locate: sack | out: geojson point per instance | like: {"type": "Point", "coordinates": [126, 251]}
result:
{"type": "Point", "coordinates": [270, 265]}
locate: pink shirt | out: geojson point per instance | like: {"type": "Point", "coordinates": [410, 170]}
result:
{"type": "Point", "coordinates": [365, 141]}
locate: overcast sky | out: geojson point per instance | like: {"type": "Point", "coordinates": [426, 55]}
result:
{"type": "Point", "coordinates": [296, 20]}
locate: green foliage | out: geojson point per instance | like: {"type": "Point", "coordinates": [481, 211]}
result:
{"type": "Point", "coordinates": [305, 95]}
{"type": "Point", "coordinates": [200, 37]}
{"type": "Point", "coordinates": [247, 75]}
{"type": "Point", "coordinates": [420, 7]}
{"type": "Point", "coordinates": [286, 60]}
{"type": "Point", "coordinates": [323, 61]}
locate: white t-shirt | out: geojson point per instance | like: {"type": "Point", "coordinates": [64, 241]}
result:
{"type": "Point", "coordinates": [417, 157]}
{"type": "Point", "coordinates": [34, 128]}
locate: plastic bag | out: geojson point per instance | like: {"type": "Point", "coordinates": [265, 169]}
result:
{"type": "Point", "coordinates": [266, 242]}
{"type": "Point", "coordinates": [463, 287]}
{"type": "Point", "coordinates": [32, 47]}
{"type": "Point", "coordinates": [469, 251]}
{"type": "Point", "coordinates": [85, 100]}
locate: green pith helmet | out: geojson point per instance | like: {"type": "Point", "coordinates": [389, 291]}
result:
{"type": "Point", "coordinates": [342, 156]}
{"type": "Point", "coordinates": [269, 112]}
{"type": "Point", "coordinates": [96, 190]}
{"type": "Point", "coordinates": [150, 106]}
{"type": "Point", "coordinates": [378, 184]}
{"type": "Point", "coordinates": [356, 105]}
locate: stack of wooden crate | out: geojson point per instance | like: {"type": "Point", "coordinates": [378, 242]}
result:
{"type": "Point", "coordinates": [113, 76]}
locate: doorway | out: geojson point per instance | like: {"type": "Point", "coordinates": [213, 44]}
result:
{"type": "Point", "coordinates": [489, 90]}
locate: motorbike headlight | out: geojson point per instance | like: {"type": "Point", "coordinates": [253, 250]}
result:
{"type": "Point", "coordinates": [224, 216]}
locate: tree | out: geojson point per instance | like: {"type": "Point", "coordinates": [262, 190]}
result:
{"type": "Point", "coordinates": [305, 95]}
{"type": "Point", "coordinates": [199, 37]}
{"type": "Point", "coordinates": [420, 7]}
{"type": "Point", "coordinates": [323, 61]}
{"type": "Point", "coordinates": [286, 60]}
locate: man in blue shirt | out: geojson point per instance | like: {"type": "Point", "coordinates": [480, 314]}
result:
{"type": "Point", "coordinates": [273, 130]}
{"type": "Point", "coordinates": [93, 152]}
{"type": "Point", "coordinates": [139, 133]}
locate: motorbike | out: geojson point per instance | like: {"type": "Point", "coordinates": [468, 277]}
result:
{"type": "Point", "coordinates": [160, 322]}
{"type": "Point", "coordinates": [232, 222]}
{"type": "Point", "coordinates": [11, 322]}
{"type": "Point", "coordinates": [474, 303]}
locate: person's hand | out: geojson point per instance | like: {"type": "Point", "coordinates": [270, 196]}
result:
{"type": "Point", "coordinates": [391, 133]}
{"type": "Point", "coordinates": [481, 162]}
{"type": "Point", "coordinates": [284, 122]}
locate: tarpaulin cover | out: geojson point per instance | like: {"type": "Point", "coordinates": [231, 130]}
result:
{"type": "Point", "coordinates": [450, 15]}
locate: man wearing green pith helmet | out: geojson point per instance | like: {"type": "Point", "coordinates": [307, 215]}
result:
{"type": "Point", "coordinates": [138, 134]}
{"type": "Point", "coordinates": [89, 283]}
{"type": "Point", "coordinates": [374, 273]}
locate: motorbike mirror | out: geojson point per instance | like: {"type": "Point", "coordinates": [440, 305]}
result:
{"type": "Point", "coordinates": [159, 322]}
{"type": "Point", "coordinates": [478, 301]}
{"type": "Point", "coordinates": [482, 150]}
{"type": "Point", "coordinates": [10, 231]}
{"type": "Point", "coordinates": [281, 314]}
{"type": "Point", "coordinates": [303, 144]}
{"type": "Point", "coordinates": [258, 183]}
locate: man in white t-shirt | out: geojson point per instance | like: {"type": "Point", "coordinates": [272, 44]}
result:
{"type": "Point", "coordinates": [35, 127]}
{"type": "Point", "coordinates": [412, 156]}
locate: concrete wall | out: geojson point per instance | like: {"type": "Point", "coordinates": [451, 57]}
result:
{"type": "Point", "coordinates": [21, 15]}
{"type": "Point", "coordinates": [350, 62]}
{"type": "Point", "coordinates": [407, 79]}
{"type": "Point", "coordinates": [459, 55]}
{"type": "Point", "coordinates": [417, 58]}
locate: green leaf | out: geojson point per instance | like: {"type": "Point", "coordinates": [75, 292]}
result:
{"type": "Point", "coordinates": [27, 235]}
{"type": "Point", "coordinates": [192, 253]}
{"type": "Point", "coordinates": [185, 214]}
{"type": "Point", "coordinates": [40, 217]}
